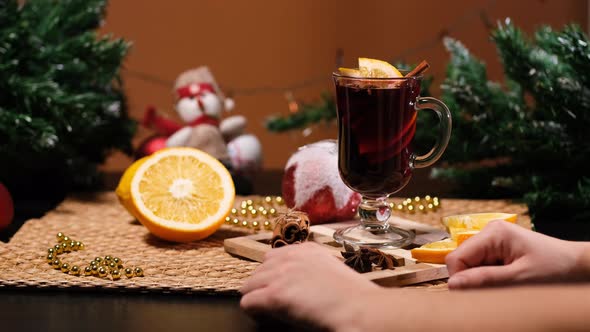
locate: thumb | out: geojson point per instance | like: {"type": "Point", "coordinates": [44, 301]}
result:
{"type": "Point", "coordinates": [485, 276]}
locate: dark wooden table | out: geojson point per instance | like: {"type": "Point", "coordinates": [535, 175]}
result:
{"type": "Point", "coordinates": [67, 310]}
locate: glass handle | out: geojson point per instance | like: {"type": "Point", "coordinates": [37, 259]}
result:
{"type": "Point", "coordinates": [444, 116]}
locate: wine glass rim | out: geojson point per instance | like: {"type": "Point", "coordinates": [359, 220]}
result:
{"type": "Point", "coordinates": [339, 75]}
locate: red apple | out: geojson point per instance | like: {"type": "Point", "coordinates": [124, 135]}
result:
{"type": "Point", "coordinates": [6, 207]}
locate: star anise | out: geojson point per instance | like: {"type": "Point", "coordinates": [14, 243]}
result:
{"type": "Point", "coordinates": [363, 259]}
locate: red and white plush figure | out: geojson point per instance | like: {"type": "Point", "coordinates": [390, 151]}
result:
{"type": "Point", "coordinates": [200, 104]}
{"type": "Point", "coordinates": [312, 184]}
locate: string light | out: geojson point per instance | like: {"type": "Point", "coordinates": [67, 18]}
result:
{"type": "Point", "coordinates": [417, 204]}
{"type": "Point", "coordinates": [457, 25]}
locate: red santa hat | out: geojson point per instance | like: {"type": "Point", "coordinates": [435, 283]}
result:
{"type": "Point", "coordinates": [194, 90]}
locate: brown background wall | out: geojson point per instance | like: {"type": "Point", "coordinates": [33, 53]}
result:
{"type": "Point", "coordinates": [259, 43]}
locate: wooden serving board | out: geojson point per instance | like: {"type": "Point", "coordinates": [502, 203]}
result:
{"type": "Point", "coordinates": [255, 246]}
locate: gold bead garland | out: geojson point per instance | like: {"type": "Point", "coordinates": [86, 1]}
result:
{"type": "Point", "coordinates": [255, 214]}
{"type": "Point", "coordinates": [258, 214]}
{"type": "Point", "coordinates": [417, 204]}
{"type": "Point", "coordinates": [98, 267]}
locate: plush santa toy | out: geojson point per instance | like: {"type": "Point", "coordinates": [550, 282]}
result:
{"type": "Point", "coordinates": [200, 104]}
{"type": "Point", "coordinates": [312, 184]}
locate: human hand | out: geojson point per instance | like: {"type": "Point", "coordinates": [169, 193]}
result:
{"type": "Point", "coordinates": [504, 253]}
{"type": "Point", "coordinates": [308, 283]}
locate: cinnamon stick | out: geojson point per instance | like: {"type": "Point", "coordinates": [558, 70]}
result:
{"type": "Point", "coordinates": [422, 67]}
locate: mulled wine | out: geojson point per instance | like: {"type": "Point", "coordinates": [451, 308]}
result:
{"type": "Point", "coordinates": [377, 109]}
{"type": "Point", "coordinates": [376, 124]}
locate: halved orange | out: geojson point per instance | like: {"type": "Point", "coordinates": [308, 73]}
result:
{"type": "Point", "coordinates": [123, 190]}
{"type": "Point", "coordinates": [434, 252]}
{"type": "Point", "coordinates": [182, 194]}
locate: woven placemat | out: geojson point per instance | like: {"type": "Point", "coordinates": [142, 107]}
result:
{"type": "Point", "coordinates": [106, 228]}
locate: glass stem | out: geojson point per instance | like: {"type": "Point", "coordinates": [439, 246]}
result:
{"type": "Point", "coordinates": [374, 213]}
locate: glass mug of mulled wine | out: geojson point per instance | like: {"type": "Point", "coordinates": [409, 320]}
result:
{"type": "Point", "coordinates": [376, 127]}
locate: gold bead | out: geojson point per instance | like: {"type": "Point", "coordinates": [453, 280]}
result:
{"type": "Point", "coordinates": [50, 258]}
{"type": "Point", "coordinates": [88, 271]}
{"type": "Point", "coordinates": [112, 265]}
{"type": "Point", "coordinates": [417, 198]}
{"type": "Point", "coordinates": [60, 236]}
{"type": "Point", "coordinates": [66, 239]}
{"type": "Point", "coordinates": [243, 212]}
{"type": "Point", "coordinates": [56, 263]}
{"type": "Point", "coordinates": [234, 211]}
{"type": "Point", "coordinates": [235, 221]}
{"type": "Point", "coordinates": [255, 224]}
{"type": "Point", "coordinates": [435, 203]}
{"type": "Point", "coordinates": [250, 208]}
{"type": "Point", "coordinates": [249, 202]}
{"type": "Point", "coordinates": [95, 269]}
{"type": "Point", "coordinates": [272, 211]}
{"type": "Point", "coordinates": [129, 272]}
{"type": "Point", "coordinates": [51, 250]}
{"type": "Point", "coordinates": [82, 246]}
{"type": "Point", "coordinates": [65, 267]}
{"type": "Point", "coordinates": [268, 199]}
{"type": "Point", "coordinates": [92, 263]}
{"type": "Point", "coordinates": [75, 270]}
{"type": "Point", "coordinates": [391, 205]}
{"type": "Point", "coordinates": [108, 258]}
{"type": "Point", "coordinates": [58, 249]}
{"type": "Point", "coordinates": [228, 219]}
{"type": "Point", "coordinates": [243, 205]}
{"type": "Point", "coordinates": [279, 200]}
{"type": "Point", "coordinates": [410, 207]}
{"type": "Point", "coordinates": [267, 224]}
{"type": "Point", "coordinates": [72, 245]}
{"type": "Point", "coordinates": [427, 198]}
{"type": "Point", "coordinates": [118, 261]}
{"type": "Point", "coordinates": [264, 213]}
{"type": "Point", "coordinates": [65, 247]}
{"type": "Point", "coordinates": [430, 206]}
{"type": "Point", "coordinates": [400, 207]}
{"type": "Point", "coordinates": [116, 274]}
{"type": "Point", "coordinates": [244, 223]}
{"type": "Point", "coordinates": [404, 203]}
{"type": "Point", "coordinates": [102, 272]}
{"type": "Point", "coordinates": [138, 272]}
{"type": "Point", "coordinates": [77, 245]}
{"type": "Point", "coordinates": [421, 208]}
{"type": "Point", "coordinates": [261, 208]}
{"type": "Point", "coordinates": [253, 213]}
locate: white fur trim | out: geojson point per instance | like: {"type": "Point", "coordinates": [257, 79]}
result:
{"type": "Point", "coordinates": [316, 168]}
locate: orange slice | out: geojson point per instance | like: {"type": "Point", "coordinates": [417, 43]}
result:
{"type": "Point", "coordinates": [182, 194]}
{"type": "Point", "coordinates": [434, 252]}
{"type": "Point", "coordinates": [474, 221]}
{"type": "Point", "coordinates": [350, 72]}
{"type": "Point", "coordinates": [464, 235]}
{"type": "Point", "coordinates": [377, 68]}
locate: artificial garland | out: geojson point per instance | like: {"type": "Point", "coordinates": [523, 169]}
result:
{"type": "Point", "coordinates": [62, 108]}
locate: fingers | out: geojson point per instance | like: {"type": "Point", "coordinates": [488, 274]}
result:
{"type": "Point", "coordinates": [303, 248]}
{"type": "Point", "coordinates": [259, 279]}
{"type": "Point", "coordinates": [491, 246]}
{"type": "Point", "coordinates": [485, 276]}
{"type": "Point", "coordinates": [260, 299]}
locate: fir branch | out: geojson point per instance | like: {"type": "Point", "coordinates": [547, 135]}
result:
{"type": "Point", "coordinates": [61, 101]}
